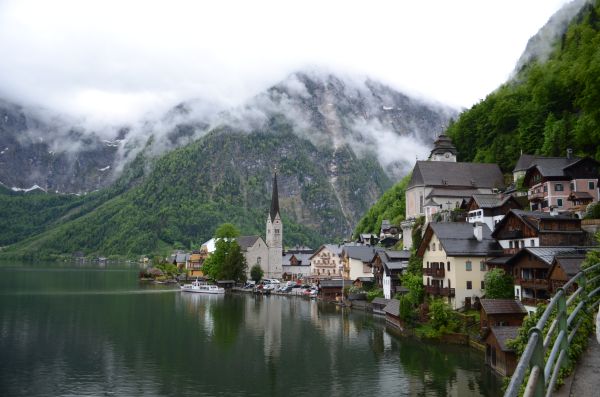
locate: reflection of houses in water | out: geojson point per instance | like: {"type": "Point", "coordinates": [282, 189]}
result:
{"type": "Point", "coordinates": [264, 318]}
{"type": "Point", "coordinates": [199, 306]}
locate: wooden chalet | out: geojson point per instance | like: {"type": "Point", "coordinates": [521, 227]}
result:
{"type": "Point", "coordinates": [498, 355]}
{"type": "Point", "coordinates": [520, 229]}
{"type": "Point", "coordinates": [500, 312]}
{"type": "Point", "coordinates": [489, 208]}
{"type": "Point", "coordinates": [332, 290]}
{"type": "Point", "coordinates": [531, 270]}
{"type": "Point", "coordinates": [563, 268]}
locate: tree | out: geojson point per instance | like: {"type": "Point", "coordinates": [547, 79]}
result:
{"type": "Point", "coordinates": [228, 261]}
{"type": "Point", "coordinates": [256, 273]}
{"type": "Point", "coordinates": [414, 283]}
{"type": "Point", "coordinates": [440, 313]}
{"type": "Point", "coordinates": [498, 285]}
{"type": "Point", "coordinates": [227, 230]}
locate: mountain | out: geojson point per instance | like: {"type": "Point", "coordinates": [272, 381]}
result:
{"type": "Point", "coordinates": [337, 145]}
{"type": "Point", "coordinates": [551, 104]}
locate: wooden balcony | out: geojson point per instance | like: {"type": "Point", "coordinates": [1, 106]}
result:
{"type": "Point", "coordinates": [534, 283]}
{"type": "Point", "coordinates": [439, 291]}
{"type": "Point", "coordinates": [438, 273]}
{"type": "Point", "coordinates": [533, 301]}
{"type": "Point", "coordinates": [536, 196]}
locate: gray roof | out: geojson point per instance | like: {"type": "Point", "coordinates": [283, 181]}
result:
{"type": "Point", "coordinates": [450, 192]}
{"type": "Point", "coordinates": [363, 253]}
{"type": "Point", "coordinates": [571, 264]}
{"type": "Point", "coordinates": [393, 307]}
{"type": "Point", "coordinates": [502, 306]}
{"type": "Point", "coordinates": [547, 254]}
{"type": "Point", "coordinates": [334, 283]}
{"type": "Point", "coordinates": [524, 162]}
{"type": "Point", "coordinates": [380, 301]}
{"type": "Point", "coordinates": [441, 173]}
{"type": "Point", "coordinates": [490, 200]}
{"type": "Point", "coordinates": [304, 259]}
{"type": "Point", "coordinates": [365, 279]}
{"type": "Point", "coordinates": [246, 242]}
{"type": "Point", "coordinates": [443, 144]}
{"type": "Point", "coordinates": [385, 224]}
{"type": "Point", "coordinates": [458, 239]}
{"type": "Point", "coordinates": [503, 334]}
{"type": "Point", "coordinates": [533, 218]}
{"type": "Point", "coordinates": [398, 254]}
{"type": "Point", "coordinates": [553, 166]}
{"type": "Point", "coordinates": [181, 258]}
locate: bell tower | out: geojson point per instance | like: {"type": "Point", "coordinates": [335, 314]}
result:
{"type": "Point", "coordinates": [274, 236]}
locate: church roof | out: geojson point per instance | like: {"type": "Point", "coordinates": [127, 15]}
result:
{"type": "Point", "coordinates": [274, 200]}
{"type": "Point", "coordinates": [456, 175]}
{"type": "Point", "coordinates": [443, 144]}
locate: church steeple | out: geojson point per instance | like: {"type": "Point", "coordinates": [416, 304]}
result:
{"type": "Point", "coordinates": [274, 199]}
{"type": "Point", "coordinates": [443, 149]}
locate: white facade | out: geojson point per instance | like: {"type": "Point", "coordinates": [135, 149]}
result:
{"type": "Point", "coordinates": [275, 247]}
{"type": "Point", "coordinates": [387, 286]}
{"type": "Point", "coordinates": [477, 216]}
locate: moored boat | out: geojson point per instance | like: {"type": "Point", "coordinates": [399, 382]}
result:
{"type": "Point", "coordinates": [203, 288]}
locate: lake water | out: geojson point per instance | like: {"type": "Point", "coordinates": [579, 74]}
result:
{"type": "Point", "coordinates": [68, 331]}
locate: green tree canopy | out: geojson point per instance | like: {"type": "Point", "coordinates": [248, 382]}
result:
{"type": "Point", "coordinates": [256, 273]}
{"type": "Point", "coordinates": [498, 285]}
{"type": "Point", "coordinates": [227, 230]}
{"type": "Point", "coordinates": [228, 261]}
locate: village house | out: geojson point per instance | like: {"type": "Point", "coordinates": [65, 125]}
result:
{"type": "Point", "coordinates": [564, 267]}
{"type": "Point", "coordinates": [356, 260]}
{"type": "Point", "coordinates": [296, 266]}
{"type": "Point", "coordinates": [454, 260]}
{"type": "Point", "coordinates": [332, 290]}
{"type": "Point", "coordinates": [389, 234]}
{"type": "Point", "coordinates": [520, 229]}
{"type": "Point", "coordinates": [568, 183]}
{"type": "Point", "coordinates": [326, 262]}
{"type": "Point", "coordinates": [195, 263]}
{"type": "Point", "coordinates": [500, 312]}
{"type": "Point", "coordinates": [498, 355]}
{"type": "Point", "coordinates": [180, 259]}
{"type": "Point", "coordinates": [441, 184]}
{"type": "Point", "coordinates": [489, 208]}
{"type": "Point", "coordinates": [531, 271]}
{"type": "Point", "coordinates": [388, 266]}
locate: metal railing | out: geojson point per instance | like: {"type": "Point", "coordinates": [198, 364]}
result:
{"type": "Point", "coordinates": [544, 371]}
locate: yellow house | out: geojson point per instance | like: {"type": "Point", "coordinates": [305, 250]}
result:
{"type": "Point", "coordinates": [454, 260]}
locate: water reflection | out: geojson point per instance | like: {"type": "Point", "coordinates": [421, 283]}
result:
{"type": "Point", "coordinates": [61, 341]}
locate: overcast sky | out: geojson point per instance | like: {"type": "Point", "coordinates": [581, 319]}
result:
{"type": "Point", "coordinates": [120, 59]}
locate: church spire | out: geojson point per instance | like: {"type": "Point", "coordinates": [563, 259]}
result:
{"type": "Point", "coordinates": [274, 199]}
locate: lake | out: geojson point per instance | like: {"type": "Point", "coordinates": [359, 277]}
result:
{"type": "Point", "coordinates": [89, 331]}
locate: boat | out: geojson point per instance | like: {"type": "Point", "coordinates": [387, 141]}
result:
{"type": "Point", "coordinates": [203, 288]}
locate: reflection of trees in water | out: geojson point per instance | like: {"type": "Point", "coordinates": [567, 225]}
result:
{"type": "Point", "coordinates": [227, 317]}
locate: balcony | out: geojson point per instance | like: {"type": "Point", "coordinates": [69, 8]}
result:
{"type": "Point", "coordinates": [534, 283]}
{"type": "Point", "coordinates": [431, 272]}
{"type": "Point", "coordinates": [440, 291]}
{"type": "Point", "coordinates": [533, 301]}
{"type": "Point", "coordinates": [536, 196]}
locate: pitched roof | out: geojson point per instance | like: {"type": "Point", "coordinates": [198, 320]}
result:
{"type": "Point", "coordinates": [443, 144]}
{"type": "Point", "coordinates": [246, 242]}
{"type": "Point", "coordinates": [393, 307]}
{"type": "Point", "coordinates": [547, 254]}
{"type": "Point", "coordinates": [491, 200]}
{"type": "Point", "coordinates": [363, 253]}
{"type": "Point", "coordinates": [445, 192]}
{"type": "Point", "coordinates": [333, 248]}
{"type": "Point", "coordinates": [571, 264]}
{"type": "Point", "coordinates": [552, 166]}
{"type": "Point", "coordinates": [532, 218]}
{"type": "Point", "coordinates": [397, 254]}
{"type": "Point", "coordinates": [442, 173]}
{"type": "Point", "coordinates": [524, 162]}
{"type": "Point", "coordinates": [458, 239]}
{"type": "Point", "coordinates": [502, 306]}
{"type": "Point", "coordinates": [503, 334]}
{"type": "Point", "coordinates": [380, 301]}
{"type": "Point", "coordinates": [304, 259]}
{"type": "Point", "coordinates": [274, 199]}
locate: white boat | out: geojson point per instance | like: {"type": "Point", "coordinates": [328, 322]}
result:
{"type": "Point", "coordinates": [203, 288]}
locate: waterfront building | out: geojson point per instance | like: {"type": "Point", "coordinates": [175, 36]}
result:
{"type": "Point", "coordinates": [441, 184]}
{"type": "Point", "coordinates": [326, 262]}
{"type": "Point", "coordinates": [500, 312]}
{"type": "Point", "coordinates": [498, 355]}
{"type": "Point", "coordinates": [296, 265]}
{"type": "Point", "coordinates": [454, 260]}
{"type": "Point", "coordinates": [357, 261]}
{"type": "Point", "coordinates": [274, 237]}
{"type": "Point", "coordinates": [388, 266]}
{"type": "Point", "coordinates": [255, 251]}
{"type": "Point", "coordinates": [564, 267]}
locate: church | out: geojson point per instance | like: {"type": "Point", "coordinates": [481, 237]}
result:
{"type": "Point", "coordinates": [268, 253]}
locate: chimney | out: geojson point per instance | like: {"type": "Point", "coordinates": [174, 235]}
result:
{"type": "Point", "coordinates": [569, 153]}
{"type": "Point", "coordinates": [478, 231]}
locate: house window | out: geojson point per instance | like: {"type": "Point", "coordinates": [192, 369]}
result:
{"type": "Point", "coordinates": [522, 243]}
{"type": "Point", "coordinates": [448, 266]}
{"type": "Point", "coordinates": [591, 185]}
{"type": "Point", "coordinates": [532, 243]}
{"type": "Point", "coordinates": [468, 266]}
{"type": "Point", "coordinates": [469, 285]}
{"type": "Point", "coordinates": [482, 266]}
{"type": "Point", "coordinates": [258, 260]}
{"type": "Point", "coordinates": [572, 185]}
{"type": "Point", "coordinates": [559, 202]}
{"type": "Point", "coordinates": [433, 246]}
{"type": "Point", "coordinates": [558, 187]}
{"type": "Point", "coordinates": [482, 284]}
{"type": "Point", "coordinates": [510, 244]}
{"type": "Point", "coordinates": [276, 231]}
{"type": "Point", "coordinates": [545, 188]}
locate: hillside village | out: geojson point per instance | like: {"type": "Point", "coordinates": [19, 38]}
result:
{"type": "Point", "coordinates": [469, 221]}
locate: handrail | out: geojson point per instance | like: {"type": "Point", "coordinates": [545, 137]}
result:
{"type": "Point", "coordinates": [544, 371]}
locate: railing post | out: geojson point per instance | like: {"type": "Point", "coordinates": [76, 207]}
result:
{"type": "Point", "coordinates": [561, 316]}
{"type": "Point", "coordinates": [537, 360]}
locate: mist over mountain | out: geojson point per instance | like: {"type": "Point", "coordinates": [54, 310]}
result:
{"type": "Point", "coordinates": [64, 155]}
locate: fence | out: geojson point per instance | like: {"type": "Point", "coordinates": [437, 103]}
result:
{"type": "Point", "coordinates": [544, 370]}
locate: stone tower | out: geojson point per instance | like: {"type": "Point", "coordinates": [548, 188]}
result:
{"type": "Point", "coordinates": [443, 149]}
{"type": "Point", "coordinates": [274, 235]}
